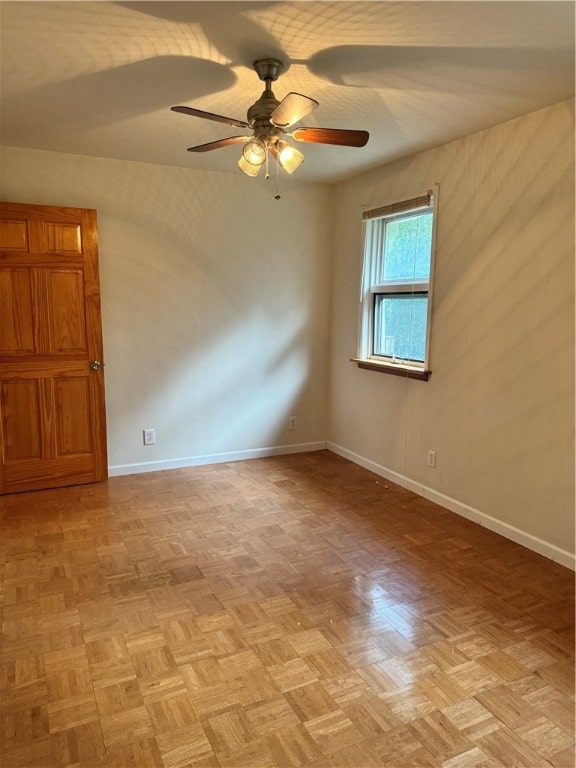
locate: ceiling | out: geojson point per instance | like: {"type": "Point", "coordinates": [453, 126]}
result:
{"type": "Point", "coordinates": [98, 78]}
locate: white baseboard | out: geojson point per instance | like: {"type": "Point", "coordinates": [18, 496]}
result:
{"type": "Point", "coordinates": [212, 458]}
{"type": "Point", "coordinates": [527, 540]}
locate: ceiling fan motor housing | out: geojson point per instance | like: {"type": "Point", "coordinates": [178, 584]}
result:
{"type": "Point", "coordinates": [268, 69]}
{"type": "Point", "coordinates": [259, 113]}
{"type": "Point", "coordinates": [259, 116]}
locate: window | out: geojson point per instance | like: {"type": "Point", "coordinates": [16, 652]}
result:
{"type": "Point", "coordinates": [396, 287]}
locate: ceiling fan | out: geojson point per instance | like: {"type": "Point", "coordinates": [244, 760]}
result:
{"type": "Point", "coordinates": [269, 120]}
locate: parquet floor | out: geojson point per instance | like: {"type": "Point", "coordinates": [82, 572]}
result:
{"type": "Point", "coordinates": [284, 612]}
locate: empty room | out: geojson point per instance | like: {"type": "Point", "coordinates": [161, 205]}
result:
{"type": "Point", "coordinates": [287, 384]}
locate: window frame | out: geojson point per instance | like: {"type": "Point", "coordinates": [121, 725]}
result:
{"type": "Point", "coordinates": [372, 266]}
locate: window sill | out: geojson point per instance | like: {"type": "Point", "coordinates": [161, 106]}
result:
{"type": "Point", "coordinates": [406, 371]}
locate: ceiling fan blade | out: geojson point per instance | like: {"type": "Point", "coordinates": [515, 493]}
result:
{"type": "Point", "coordinates": [217, 144]}
{"type": "Point", "coordinates": [211, 116]}
{"type": "Point", "coordinates": [292, 108]}
{"type": "Point", "coordinates": [339, 136]}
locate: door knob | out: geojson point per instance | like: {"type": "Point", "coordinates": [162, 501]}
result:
{"type": "Point", "coordinates": [95, 364]}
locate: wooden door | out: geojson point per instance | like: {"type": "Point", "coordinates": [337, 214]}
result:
{"type": "Point", "coordinates": [52, 417]}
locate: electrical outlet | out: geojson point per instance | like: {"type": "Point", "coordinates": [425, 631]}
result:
{"type": "Point", "coordinates": [432, 459]}
{"type": "Point", "coordinates": [149, 436]}
{"type": "Point", "coordinates": [292, 422]}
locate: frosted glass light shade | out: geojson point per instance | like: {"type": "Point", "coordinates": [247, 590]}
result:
{"type": "Point", "coordinates": [248, 168]}
{"type": "Point", "coordinates": [254, 152]}
{"type": "Point", "coordinates": [289, 157]}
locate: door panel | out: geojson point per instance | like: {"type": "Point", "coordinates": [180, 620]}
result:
{"type": "Point", "coordinates": [64, 301]}
{"type": "Point", "coordinates": [21, 420]}
{"type": "Point", "coordinates": [52, 419]}
{"type": "Point", "coordinates": [16, 328]}
{"type": "Point", "coordinates": [72, 400]}
{"type": "Point", "coordinates": [63, 238]}
{"type": "Point", "coordinates": [14, 234]}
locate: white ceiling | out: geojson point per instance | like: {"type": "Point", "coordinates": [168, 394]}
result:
{"type": "Point", "coordinates": [98, 78]}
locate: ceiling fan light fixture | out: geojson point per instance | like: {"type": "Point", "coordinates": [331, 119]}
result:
{"type": "Point", "coordinates": [269, 120]}
{"type": "Point", "coordinates": [248, 168]}
{"type": "Point", "coordinates": [289, 157]}
{"type": "Point", "coordinates": [254, 152]}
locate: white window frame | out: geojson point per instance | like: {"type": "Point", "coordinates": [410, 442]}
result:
{"type": "Point", "coordinates": [374, 255]}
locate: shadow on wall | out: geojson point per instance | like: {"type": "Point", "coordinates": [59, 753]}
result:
{"type": "Point", "coordinates": [209, 327]}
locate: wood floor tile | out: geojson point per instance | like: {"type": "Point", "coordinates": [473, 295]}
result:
{"type": "Point", "coordinates": [441, 689]}
{"type": "Point", "coordinates": [236, 664]}
{"type": "Point", "coordinates": [309, 641]}
{"type": "Point", "coordinates": [172, 713]}
{"type": "Point", "coordinates": [473, 758]}
{"type": "Point", "coordinates": [254, 755]}
{"type": "Point", "coordinates": [560, 676]}
{"type": "Point", "coordinates": [439, 735]}
{"type": "Point", "coordinates": [228, 732]}
{"type": "Point", "coordinates": [371, 716]}
{"type": "Point", "coordinates": [167, 684]}
{"type": "Point", "coordinates": [118, 697]}
{"type": "Point", "coordinates": [560, 712]}
{"type": "Point", "coordinates": [354, 756]}
{"type": "Point", "coordinates": [544, 737]}
{"type": "Point", "coordinates": [72, 712]}
{"type": "Point", "coordinates": [21, 726]}
{"type": "Point", "coordinates": [327, 664]}
{"type": "Point", "coordinates": [292, 674]}
{"type": "Point", "coordinates": [507, 748]}
{"type": "Point", "coordinates": [215, 699]}
{"type": "Point", "coordinates": [109, 661]}
{"type": "Point", "coordinates": [471, 719]}
{"type": "Point", "coordinates": [402, 670]}
{"type": "Point", "coordinates": [348, 686]}
{"type": "Point", "coordinates": [126, 727]}
{"type": "Point", "coordinates": [564, 759]}
{"type": "Point", "coordinates": [69, 684]}
{"type": "Point", "coordinates": [503, 665]}
{"type": "Point", "coordinates": [153, 662]}
{"type": "Point", "coordinates": [309, 701]}
{"type": "Point", "coordinates": [293, 747]}
{"type": "Point", "coordinates": [254, 687]}
{"type": "Point", "coordinates": [275, 652]}
{"type": "Point", "coordinates": [139, 754]}
{"type": "Point", "coordinates": [82, 746]}
{"type": "Point", "coordinates": [290, 612]}
{"type": "Point", "coordinates": [333, 731]}
{"type": "Point", "coordinates": [270, 716]}
{"type": "Point", "coordinates": [27, 671]}
{"type": "Point", "coordinates": [30, 754]}
{"type": "Point", "coordinates": [508, 707]}
{"type": "Point", "coordinates": [402, 748]}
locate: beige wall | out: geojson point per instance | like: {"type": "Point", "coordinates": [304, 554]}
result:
{"type": "Point", "coordinates": [498, 408]}
{"type": "Point", "coordinates": [214, 299]}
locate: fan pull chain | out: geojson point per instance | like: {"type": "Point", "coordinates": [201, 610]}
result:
{"type": "Point", "coordinates": [267, 175]}
{"type": "Point", "coordinates": [277, 195]}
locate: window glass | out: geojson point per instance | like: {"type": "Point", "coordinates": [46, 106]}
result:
{"type": "Point", "coordinates": [407, 248]}
{"type": "Point", "coordinates": [400, 326]}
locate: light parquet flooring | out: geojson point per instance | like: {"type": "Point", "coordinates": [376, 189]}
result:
{"type": "Point", "coordinates": [289, 612]}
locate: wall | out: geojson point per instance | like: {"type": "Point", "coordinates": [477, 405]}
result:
{"type": "Point", "coordinates": [215, 304]}
{"type": "Point", "coordinates": [499, 407]}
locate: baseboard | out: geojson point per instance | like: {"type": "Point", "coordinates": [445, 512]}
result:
{"type": "Point", "coordinates": [212, 458]}
{"type": "Point", "coordinates": [534, 543]}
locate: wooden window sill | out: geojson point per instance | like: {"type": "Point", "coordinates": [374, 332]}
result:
{"type": "Point", "coordinates": [396, 370]}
